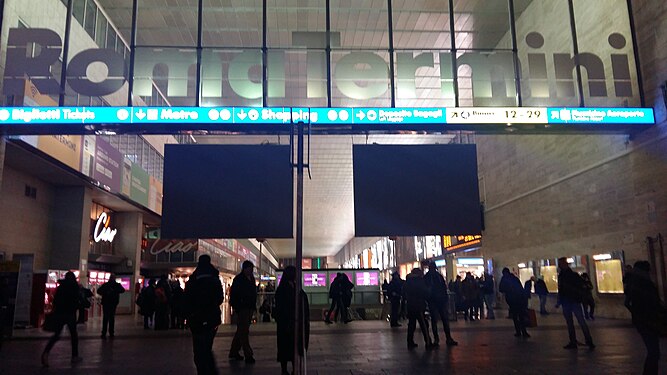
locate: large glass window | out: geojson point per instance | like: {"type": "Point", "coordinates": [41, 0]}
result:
{"type": "Point", "coordinates": [482, 24]}
{"type": "Point", "coordinates": [233, 77]}
{"type": "Point", "coordinates": [297, 78]}
{"type": "Point", "coordinates": [424, 78]}
{"type": "Point", "coordinates": [486, 79]}
{"type": "Point", "coordinates": [232, 23]}
{"type": "Point", "coordinates": [545, 48]}
{"type": "Point", "coordinates": [91, 16]}
{"type": "Point", "coordinates": [171, 71]}
{"type": "Point", "coordinates": [296, 23]}
{"type": "Point", "coordinates": [167, 25]}
{"type": "Point", "coordinates": [606, 56]}
{"type": "Point", "coordinates": [101, 32]}
{"type": "Point", "coordinates": [361, 23]}
{"type": "Point", "coordinates": [361, 79]}
{"type": "Point", "coordinates": [550, 273]}
{"type": "Point", "coordinates": [421, 24]}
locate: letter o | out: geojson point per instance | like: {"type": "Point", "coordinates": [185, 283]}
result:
{"type": "Point", "coordinates": [77, 76]}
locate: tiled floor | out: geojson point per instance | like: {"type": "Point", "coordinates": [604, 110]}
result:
{"type": "Point", "coordinates": [362, 347]}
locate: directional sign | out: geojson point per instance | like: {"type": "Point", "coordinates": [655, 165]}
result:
{"type": "Point", "coordinates": [384, 117]}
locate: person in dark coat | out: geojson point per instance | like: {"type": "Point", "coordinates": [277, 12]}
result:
{"type": "Point", "coordinates": [162, 300]}
{"type": "Point", "coordinates": [438, 304]}
{"type": "Point", "coordinates": [146, 302]}
{"type": "Point", "coordinates": [416, 292]}
{"type": "Point", "coordinates": [84, 303]}
{"type": "Point", "coordinates": [65, 306]}
{"type": "Point", "coordinates": [471, 293]}
{"type": "Point", "coordinates": [346, 287]}
{"type": "Point", "coordinates": [284, 313]}
{"type": "Point", "coordinates": [176, 305]}
{"type": "Point", "coordinates": [336, 298]}
{"type": "Point", "coordinates": [395, 292]}
{"type": "Point", "coordinates": [243, 299]}
{"type": "Point", "coordinates": [487, 288]}
{"type": "Point", "coordinates": [515, 296]}
{"type": "Point", "coordinates": [648, 313]}
{"type": "Point", "coordinates": [570, 296]}
{"type": "Point", "coordinates": [542, 292]}
{"type": "Point", "coordinates": [110, 292]}
{"type": "Point", "coordinates": [588, 300]}
{"type": "Point", "coordinates": [202, 298]}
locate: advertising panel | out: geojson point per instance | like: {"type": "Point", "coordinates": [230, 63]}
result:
{"type": "Point", "coordinates": [107, 165]}
{"type": "Point", "coordinates": [366, 278]}
{"type": "Point", "coordinates": [315, 279]}
{"type": "Point", "coordinates": [155, 195]}
{"type": "Point", "coordinates": [139, 185]}
{"type": "Point", "coordinates": [126, 177]}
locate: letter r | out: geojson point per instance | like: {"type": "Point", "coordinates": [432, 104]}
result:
{"type": "Point", "coordinates": [22, 63]}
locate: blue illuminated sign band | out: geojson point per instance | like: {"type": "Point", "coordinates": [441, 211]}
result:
{"type": "Point", "coordinates": [323, 116]}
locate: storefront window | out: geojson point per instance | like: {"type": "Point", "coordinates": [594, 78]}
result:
{"type": "Point", "coordinates": [550, 273]}
{"type": "Point", "coordinates": [525, 274]}
{"type": "Point", "coordinates": [609, 274]}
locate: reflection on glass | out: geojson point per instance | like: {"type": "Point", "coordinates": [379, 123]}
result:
{"type": "Point", "coordinates": [609, 276]}
{"type": "Point", "coordinates": [424, 79]}
{"type": "Point", "coordinates": [236, 24]}
{"type": "Point", "coordinates": [421, 24]}
{"type": "Point", "coordinates": [486, 79]}
{"type": "Point", "coordinates": [233, 78]}
{"type": "Point", "coordinates": [160, 25]}
{"type": "Point", "coordinates": [296, 23]}
{"type": "Point", "coordinates": [482, 24]}
{"type": "Point", "coordinates": [168, 72]}
{"type": "Point", "coordinates": [361, 79]}
{"type": "Point", "coordinates": [361, 23]}
{"type": "Point", "coordinates": [550, 274]}
{"type": "Point", "coordinates": [297, 78]}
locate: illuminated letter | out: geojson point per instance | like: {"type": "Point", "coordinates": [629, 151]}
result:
{"type": "Point", "coordinates": [239, 77]}
{"type": "Point", "coordinates": [362, 66]}
{"type": "Point", "coordinates": [406, 70]}
{"type": "Point", "coordinates": [21, 62]}
{"type": "Point", "coordinates": [78, 78]}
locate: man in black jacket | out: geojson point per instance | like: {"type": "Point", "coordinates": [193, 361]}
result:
{"type": "Point", "coordinates": [110, 292]}
{"type": "Point", "coordinates": [570, 296]}
{"type": "Point", "coordinates": [416, 292]}
{"type": "Point", "coordinates": [438, 304]}
{"type": "Point", "coordinates": [395, 291]}
{"type": "Point", "coordinates": [203, 296]}
{"type": "Point", "coordinates": [243, 299]}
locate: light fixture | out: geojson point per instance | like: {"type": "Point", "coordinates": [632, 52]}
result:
{"type": "Point", "coordinates": [521, 265]}
{"type": "Point", "coordinates": [602, 256]}
{"type": "Point", "coordinates": [570, 260]}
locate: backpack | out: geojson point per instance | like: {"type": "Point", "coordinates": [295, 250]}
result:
{"type": "Point", "coordinates": [84, 301]}
{"type": "Point", "coordinates": [160, 296]}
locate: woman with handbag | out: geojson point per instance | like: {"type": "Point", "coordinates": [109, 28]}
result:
{"type": "Point", "coordinates": [65, 306]}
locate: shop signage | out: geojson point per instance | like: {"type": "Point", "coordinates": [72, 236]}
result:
{"type": "Point", "coordinates": [389, 117]}
{"type": "Point", "coordinates": [102, 231]}
{"type": "Point", "coordinates": [356, 75]}
{"type": "Point", "coordinates": [172, 246]}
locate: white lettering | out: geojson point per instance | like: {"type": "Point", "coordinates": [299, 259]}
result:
{"type": "Point", "coordinates": [104, 233]}
{"type": "Point", "coordinates": [172, 247]}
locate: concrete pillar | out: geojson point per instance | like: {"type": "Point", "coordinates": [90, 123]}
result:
{"type": "Point", "coordinates": [71, 229]}
{"type": "Point", "coordinates": [3, 145]}
{"type": "Point", "coordinates": [127, 243]}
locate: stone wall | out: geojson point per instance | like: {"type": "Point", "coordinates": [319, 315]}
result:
{"type": "Point", "coordinates": [564, 195]}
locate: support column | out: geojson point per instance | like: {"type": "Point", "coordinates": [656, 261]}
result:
{"type": "Point", "coordinates": [71, 229]}
{"type": "Point", "coordinates": [3, 146]}
{"type": "Point", "coordinates": [128, 244]}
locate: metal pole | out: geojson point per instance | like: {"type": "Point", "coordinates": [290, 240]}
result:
{"type": "Point", "coordinates": [133, 47]}
{"type": "Point", "coordinates": [63, 70]}
{"type": "Point", "coordinates": [3, 143]}
{"type": "Point", "coordinates": [299, 363]}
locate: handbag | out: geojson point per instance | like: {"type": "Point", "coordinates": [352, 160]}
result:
{"type": "Point", "coordinates": [51, 322]}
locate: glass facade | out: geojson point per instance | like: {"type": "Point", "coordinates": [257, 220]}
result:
{"type": "Point", "coordinates": [358, 53]}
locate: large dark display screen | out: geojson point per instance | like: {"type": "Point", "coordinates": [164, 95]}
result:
{"type": "Point", "coordinates": [412, 190]}
{"type": "Point", "coordinates": [227, 191]}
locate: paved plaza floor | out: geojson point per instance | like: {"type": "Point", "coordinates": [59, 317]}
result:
{"type": "Point", "coordinates": [361, 347]}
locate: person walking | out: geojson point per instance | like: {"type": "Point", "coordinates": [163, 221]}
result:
{"type": "Point", "coordinates": [284, 314]}
{"type": "Point", "coordinates": [346, 287]}
{"type": "Point", "coordinates": [570, 296]}
{"type": "Point", "coordinates": [162, 298]}
{"type": "Point", "coordinates": [648, 313]}
{"type": "Point", "coordinates": [243, 299]}
{"type": "Point", "coordinates": [438, 304]}
{"type": "Point", "coordinates": [471, 294]}
{"type": "Point", "coordinates": [542, 292]}
{"type": "Point", "coordinates": [588, 300]}
{"type": "Point", "coordinates": [146, 302]}
{"type": "Point", "coordinates": [515, 297]}
{"type": "Point", "coordinates": [395, 291]}
{"type": "Point", "coordinates": [65, 306]}
{"type": "Point", "coordinates": [176, 305]}
{"type": "Point", "coordinates": [487, 288]}
{"type": "Point", "coordinates": [416, 292]}
{"type": "Point", "coordinates": [202, 298]}
{"type": "Point", "coordinates": [110, 292]}
{"type": "Point", "coordinates": [336, 298]}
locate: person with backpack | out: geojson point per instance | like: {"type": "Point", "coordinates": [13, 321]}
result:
{"type": "Point", "coordinates": [110, 292]}
{"type": "Point", "coordinates": [570, 296]}
{"type": "Point", "coordinates": [202, 298]}
{"type": "Point", "coordinates": [84, 303]}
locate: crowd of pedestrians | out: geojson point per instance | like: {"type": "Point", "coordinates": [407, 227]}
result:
{"type": "Point", "coordinates": [423, 299]}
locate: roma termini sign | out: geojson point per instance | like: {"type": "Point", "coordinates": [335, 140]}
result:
{"type": "Point", "coordinates": [355, 75]}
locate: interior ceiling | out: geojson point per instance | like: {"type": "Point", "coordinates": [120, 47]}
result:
{"type": "Point", "coordinates": [328, 202]}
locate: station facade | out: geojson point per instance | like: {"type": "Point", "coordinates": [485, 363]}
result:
{"type": "Point", "coordinates": [599, 199]}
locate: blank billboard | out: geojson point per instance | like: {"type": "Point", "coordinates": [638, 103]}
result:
{"type": "Point", "coordinates": [227, 191]}
{"type": "Point", "coordinates": [416, 190]}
